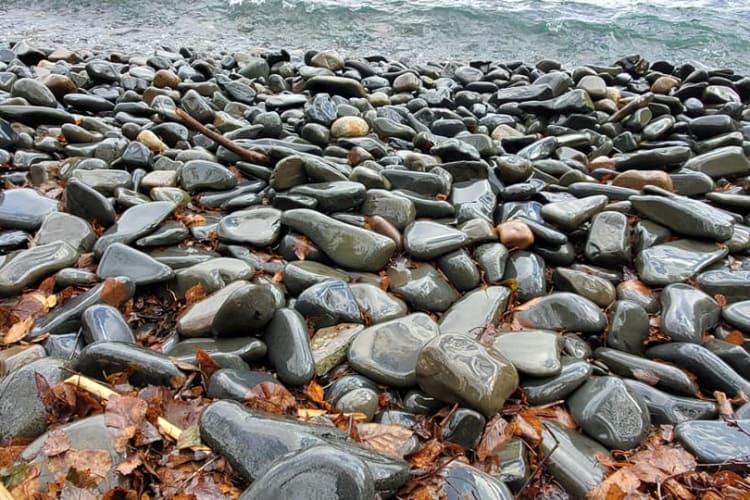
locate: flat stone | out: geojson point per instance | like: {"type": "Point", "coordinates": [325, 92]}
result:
{"type": "Point", "coordinates": [460, 270]}
{"type": "Point", "coordinates": [532, 352]}
{"type": "Point", "coordinates": [528, 271]}
{"type": "Point", "coordinates": [319, 472]}
{"type": "Point", "coordinates": [422, 287]}
{"type": "Point", "coordinates": [329, 346]}
{"type": "Point", "coordinates": [377, 304]}
{"type": "Point", "coordinates": [259, 226]}
{"type": "Point", "coordinates": [561, 311]}
{"type": "Point", "coordinates": [142, 365]}
{"type": "Point", "coordinates": [59, 226]}
{"type": "Point", "coordinates": [687, 313]}
{"type": "Point", "coordinates": [102, 322]}
{"type": "Point", "coordinates": [628, 326]}
{"type": "Point", "coordinates": [457, 369]}
{"type": "Point", "coordinates": [328, 303]}
{"type": "Point", "coordinates": [29, 266]}
{"type": "Point", "coordinates": [387, 352]}
{"type": "Point", "coordinates": [715, 442]}
{"type": "Point", "coordinates": [300, 275]}
{"type": "Point", "coordinates": [197, 175]}
{"type": "Point", "coordinates": [230, 383]}
{"type": "Point", "coordinates": [475, 311]}
{"type": "Point", "coordinates": [197, 320]}
{"type": "Point", "coordinates": [353, 247]}
{"type": "Point", "coordinates": [121, 260]}
{"type": "Point", "coordinates": [733, 285]}
{"type": "Point", "coordinates": [609, 413]}
{"type": "Point", "coordinates": [426, 240]}
{"type": "Point", "coordinates": [668, 409]}
{"type": "Point", "coordinates": [333, 196]}
{"type": "Point", "coordinates": [465, 481]}
{"type": "Point", "coordinates": [685, 216]}
{"type": "Point", "coordinates": [24, 209]}
{"type": "Point", "coordinates": [491, 259]}
{"type": "Point", "coordinates": [597, 289]}
{"type": "Point", "coordinates": [396, 209]}
{"type": "Point", "coordinates": [135, 222]}
{"type": "Point", "coordinates": [569, 215]}
{"type": "Point", "coordinates": [721, 162]}
{"type": "Point", "coordinates": [676, 261]}
{"type": "Point", "coordinates": [608, 242]}
{"type": "Point", "coordinates": [540, 391]}
{"type": "Point", "coordinates": [661, 375]}
{"type": "Point", "coordinates": [738, 315]}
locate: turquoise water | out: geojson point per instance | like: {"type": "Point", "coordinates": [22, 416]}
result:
{"type": "Point", "coordinates": [714, 33]}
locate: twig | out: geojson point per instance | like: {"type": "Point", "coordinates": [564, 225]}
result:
{"type": "Point", "coordinates": [232, 146]}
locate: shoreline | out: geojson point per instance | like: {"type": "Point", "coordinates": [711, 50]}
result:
{"type": "Point", "coordinates": [354, 276]}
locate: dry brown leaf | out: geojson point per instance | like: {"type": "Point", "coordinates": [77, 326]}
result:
{"type": "Point", "coordinates": [194, 294]}
{"type": "Point", "coordinates": [735, 337]}
{"type": "Point", "coordinates": [60, 401]}
{"type": "Point", "coordinates": [656, 464]}
{"type": "Point", "coordinates": [127, 466]}
{"type": "Point", "coordinates": [57, 442]}
{"type": "Point", "coordinates": [114, 292]}
{"type": "Point", "coordinates": [427, 455]}
{"type": "Point", "coordinates": [529, 427]}
{"type": "Point", "coordinates": [389, 439]}
{"type": "Point", "coordinates": [272, 398]}
{"type": "Point", "coordinates": [18, 331]}
{"type": "Point", "coordinates": [94, 462]}
{"type": "Point", "coordinates": [206, 364]}
{"type": "Point", "coordinates": [557, 413]}
{"type": "Point", "coordinates": [124, 414]}
{"type": "Point", "coordinates": [189, 438]}
{"type": "Point", "coordinates": [497, 433]}
{"type": "Point", "coordinates": [622, 484]}
{"type": "Point", "coordinates": [30, 305]}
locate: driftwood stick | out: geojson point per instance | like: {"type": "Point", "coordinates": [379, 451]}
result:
{"type": "Point", "coordinates": [232, 146]}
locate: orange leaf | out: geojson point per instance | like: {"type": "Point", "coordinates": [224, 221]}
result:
{"type": "Point", "coordinates": [95, 463]}
{"type": "Point", "coordinates": [114, 292]}
{"type": "Point", "coordinates": [272, 398]}
{"type": "Point", "coordinates": [30, 305]}
{"type": "Point", "coordinates": [56, 443]}
{"type": "Point", "coordinates": [194, 294]}
{"type": "Point", "coordinates": [735, 337]}
{"type": "Point", "coordinates": [497, 433]}
{"type": "Point", "coordinates": [427, 455]}
{"type": "Point", "coordinates": [529, 427]}
{"type": "Point", "coordinates": [389, 439]}
{"type": "Point", "coordinates": [557, 413]}
{"type": "Point", "coordinates": [617, 486]}
{"type": "Point", "coordinates": [315, 393]}
{"type": "Point", "coordinates": [206, 364]}
{"type": "Point", "coordinates": [721, 299]}
{"type": "Point", "coordinates": [18, 331]}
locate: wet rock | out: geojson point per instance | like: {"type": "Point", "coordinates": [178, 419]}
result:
{"type": "Point", "coordinates": [59, 226]}
{"type": "Point", "coordinates": [142, 365]}
{"type": "Point", "coordinates": [230, 383]}
{"type": "Point", "coordinates": [29, 266]}
{"type": "Point", "coordinates": [715, 442]}
{"type": "Point", "coordinates": [319, 472]}
{"type": "Point", "coordinates": [569, 215]}
{"type": "Point", "coordinates": [676, 261]}
{"type": "Point", "coordinates": [532, 352]}
{"type": "Point", "coordinates": [259, 226]}
{"type": "Point", "coordinates": [608, 242]}
{"type": "Point", "coordinates": [668, 409]}
{"type": "Point", "coordinates": [721, 162]}
{"type": "Point", "coordinates": [23, 412]}
{"type": "Point", "coordinates": [353, 248]}
{"type": "Point", "coordinates": [376, 304]}
{"type": "Point", "coordinates": [628, 326]}
{"type": "Point", "coordinates": [422, 287]}
{"type": "Point", "coordinates": [329, 346]}
{"type": "Point", "coordinates": [289, 347]}
{"type": "Point", "coordinates": [247, 308]}
{"type": "Point", "coordinates": [426, 240]}
{"type": "Point", "coordinates": [664, 376]}
{"type": "Point", "coordinates": [561, 310]}
{"type": "Point", "coordinates": [475, 310]}
{"type": "Point", "coordinates": [685, 216]}
{"type": "Point", "coordinates": [733, 285]}
{"type": "Point", "coordinates": [197, 320]}
{"type": "Point", "coordinates": [103, 322]}
{"type": "Point", "coordinates": [573, 373]}
{"type": "Point", "coordinates": [387, 352]}
{"type": "Point", "coordinates": [594, 288]}
{"type": "Point", "coordinates": [608, 412]}
{"type": "Point", "coordinates": [134, 222]}
{"type": "Point", "coordinates": [328, 303]}
{"type": "Point", "coordinates": [24, 209]}
{"type": "Point", "coordinates": [121, 260]}
{"type": "Point", "coordinates": [198, 175]}
{"type": "Point", "coordinates": [738, 315]}
{"type": "Point", "coordinates": [454, 368]}
{"type": "Point", "coordinates": [687, 313]}
{"type": "Point", "coordinates": [465, 481]}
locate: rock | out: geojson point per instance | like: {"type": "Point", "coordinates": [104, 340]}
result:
{"type": "Point", "coordinates": [258, 226]}
{"type": "Point", "coordinates": [465, 481]}
{"type": "Point", "coordinates": [328, 303]}
{"type": "Point", "coordinates": [35, 92]}
{"type": "Point", "coordinates": [573, 459]}
{"type": "Point", "coordinates": [734, 286]}
{"type": "Point", "coordinates": [491, 259]}
{"type": "Point", "coordinates": [685, 216]}
{"type": "Point", "coordinates": [22, 412]}
{"type": "Point", "coordinates": [560, 310]}
{"type": "Point", "coordinates": [396, 209]}
{"type": "Point", "coordinates": [628, 326]}
{"type": "Point", "coordinates": [349, 126]}
{"type": "Point", "coordinates": [687, 313]}
{"type": "Point", "coordinates": [475, 311]}
{"type": "Point", "coordinates": [676, 261]}
{"type": "Point", "coordinates": [738, 315]}
{"type": "Point", "coordinates": [319, 472]}
{"type": "Point", "coordinates": [594, 288]}
{"type": "Point", "coordinates": [515, 234]}
{"type": "Point", "coordinates": [387, 352]}
{"type": "Point", "coordinates": [540, 391]}
{"type": "Point", "coordinates": [528, 271]}
{"type": "Point", "coordinates": [712, 372]}
{"type": "Point", "coordinates": [230, 383]}
{"type": "Point", "coordinates": [668, 409]}
{"type": "Point", "coordinates": [142, 365]}
{"type": "Point", "coordinates": [454, 368]}
{"type": "Point", "coordinates": [251, 441]}
{"type": "Point", "coordinates": [721, 162]}
{"type": "Point", "coordinates": [532, 352]}
{"type": "Point", "coordinates": [197, 320]}
{"type": "Point", "coordinates": [664, 376]}
{"type": "Point", "coordinates": [289, 347]}
{"type": "Point", "coordinates": [353, 248]}
{"type": "Point", "coordinates": [29, 266]}
{"type": "Point", "coordinates": [329, 346]}
{"type": "Point", "coordinates": [247, 308]}
{"type": "Point", "coordinates": [59, 226]}
{"type": "Point", "coordinates": [87, 203]}
{"type": "Point", "coordinates": [637, 179]}
{"type": "Point", "coordinates": [609, 413]}
{"type": "Point", "coordinates": [121, 260]}
{"type": "Point", "coordinates": [376, 304]}
{"type": "Point", "coordinates": [197, 175]}
{"type": "Point", "coordinates": [422, 287]}
{"type": "Point", "coordinates": [363, 401]}
{"type": "Point", "coordinates": [134, 222]}
{"type": "Point", "coordinates": [569, 215]}
{"type": "Point", "coordinates": [464, 427]}
{"type": "Point", "coordinates": [102, 322]}
{"type": "Point", "coordinates": [24, 209]}
{"type": "Point", "coordinates": [715, 442]}
{"type": "Point", "coordinates": [426, 240]}
{"type": "Point", "coordinates": [608, 242]}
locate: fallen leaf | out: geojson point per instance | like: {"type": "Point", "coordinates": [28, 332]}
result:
{"type": "Point", "coordinates": [73, 492]}
{"type": "Point", "coordinates": [272, 398]}
{"type": "Point", "coordinates": [622, 484]}
{"type": "Point", "coordinates": [127, 466]}
{"type": "Point", "coordinates": [721, 299]}
{"type": "Point", "coordinates": [114, 292]}
{"type": "Point", "coordinates": [194, 294]}
{"type": "Point", "coordinates": [206, 364]}
{"type": "Point", "coordinates": [59, 401]}
{"type": "Point", "coordinates": [735, 337]}
{"type": "Point", "coordinates": [95, 463]}
{"type": "Point", "coordinates": [656, 464]}
{"type": "Point", "coordinates": [723, 404]}
{"type": "Point", "coordinates": [529, 427]}
{"type": "Point", "coordinates": [18, 331]}
{"type": "Point", "coordinates": [189, 438]}
{"type": "Point", "coordinates": [57, 442]}
{"type": "Point", "coordinates": [124, 414]}
{"type": "Point", "coordinates": [497, 433]}
{"type": "Point", "coordinates": [557, 413]}
{"type": "Point", "coordinates": [389, 439]}
{"type": "Point", "coordinates": [30, 305]}
{"type": "Point", "coordinates": [427, 455]}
